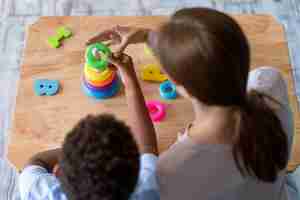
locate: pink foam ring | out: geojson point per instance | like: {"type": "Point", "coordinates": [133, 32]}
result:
{"type": "Point", "coordinates": [156, 110]}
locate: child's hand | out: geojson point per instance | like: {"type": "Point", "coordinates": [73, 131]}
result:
{"type": "Point", "coordinates": [125, 66]}
{"type": "Point", "coordinates": [121, 36]}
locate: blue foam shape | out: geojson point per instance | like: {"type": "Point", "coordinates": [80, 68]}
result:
{"type": "Point", "coordinates": [102, 94]}
{"type": "Point", "coordinates": [163, 87]}
{"type": "Point", "coordinates": [46, 87]}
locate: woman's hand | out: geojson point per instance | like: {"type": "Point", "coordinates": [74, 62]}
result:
{"type": "Point", "coordinates": [125, 66]}
{"type": "Point", "coordinates": [121, 36]}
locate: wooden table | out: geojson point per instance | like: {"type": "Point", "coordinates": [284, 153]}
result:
{"type": "Point", "coordinates": [42, 122]}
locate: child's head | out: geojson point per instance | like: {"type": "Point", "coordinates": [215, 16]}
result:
{"type": "Point", "coordinates": [205, 52]}
{"type": "Point", "coordinates": [207, 55]}
{"type": "Point", "coordinates": [100, 160]}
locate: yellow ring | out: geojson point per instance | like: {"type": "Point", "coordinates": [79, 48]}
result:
{"type": "Point", "coordinates": [96, 76]}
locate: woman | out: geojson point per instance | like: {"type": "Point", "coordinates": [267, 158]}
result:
{"type": "Point", "coordinates": [239, 143]}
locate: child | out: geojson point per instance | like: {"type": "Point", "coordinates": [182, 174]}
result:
{"type": "Point", "coordinates": [239, 143]}
{"type": "Point", "coordinates": [99, 160]}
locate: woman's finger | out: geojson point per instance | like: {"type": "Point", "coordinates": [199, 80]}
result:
{"type": "Point", "coordinates": [121, 30]}
{"type": "Point", "coordinates": [121, 48]}
{"type": "Point", "coordinates": [104, 36]}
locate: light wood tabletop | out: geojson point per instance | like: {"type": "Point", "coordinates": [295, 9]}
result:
{"type": "Point", "coordinates": [42, 122]}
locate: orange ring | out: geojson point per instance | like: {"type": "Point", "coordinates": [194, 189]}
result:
{"type": "Point", "coordinates": [96, 76]}
{"type": "Point", "coordinates": [102, 83]}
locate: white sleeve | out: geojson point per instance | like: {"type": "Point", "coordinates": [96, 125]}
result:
{"type": "Point", "coordinates": [35, 182]}
{"type": "Point", "coordinates": [147, 187]}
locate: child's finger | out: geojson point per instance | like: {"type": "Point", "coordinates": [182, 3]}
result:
{"type": "Point", "coordinates": [120, 60]}
{"type": "Point", "coordinates": [114, 60]}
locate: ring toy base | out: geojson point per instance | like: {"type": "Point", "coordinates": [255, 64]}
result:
{"type": "Point", "coordinates": [100, 94]}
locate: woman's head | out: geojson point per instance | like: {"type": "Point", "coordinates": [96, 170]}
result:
{"type": "Point", "coordinates": [207, 53]}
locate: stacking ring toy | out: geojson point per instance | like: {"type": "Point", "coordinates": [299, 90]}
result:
{"type": "Point", "coordinates": [98, 63]}
{"type": "Point", "coordinates": [96, 76]}
{"type": "Point", "coordinates": [93, 88]}
{"type": "Point", "coordinates": [102, 83]}
{"type": "Point", "coordinates": [109, 92]}
{"type": "Point", "coordinates": [167, 90]}
{"type": "Point", "coordinates": [157, 110]}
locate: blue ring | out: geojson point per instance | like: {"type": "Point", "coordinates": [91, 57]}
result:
{"type": "Point", "coordinates": [104, 94]}
{"type": "Point", "coordinates": [167, 94]}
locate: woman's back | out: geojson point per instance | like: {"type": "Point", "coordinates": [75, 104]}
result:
{"type": "Point", "coordinates": [189, 170]}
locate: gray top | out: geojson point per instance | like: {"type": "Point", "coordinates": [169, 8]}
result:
{"type": "Point", "coordinates": [189, 170]}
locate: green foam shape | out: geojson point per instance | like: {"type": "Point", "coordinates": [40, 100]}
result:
{"type": "Point", "coordinates": [63, 32]}
{"type": "Point", "coordinates": [53, 42]}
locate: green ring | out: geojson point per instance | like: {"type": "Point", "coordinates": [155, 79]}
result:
{"type": "Point", "coordinates": [99, 64]}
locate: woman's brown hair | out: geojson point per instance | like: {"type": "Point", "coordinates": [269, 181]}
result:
{"type": "Point", "coordinates": [207, 53]}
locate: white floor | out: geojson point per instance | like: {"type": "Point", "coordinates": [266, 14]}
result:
{"type": "Point", "coordinates": [16, 14]}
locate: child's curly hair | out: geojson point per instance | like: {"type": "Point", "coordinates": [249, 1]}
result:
{"type": "Point", "coordinates": [100, 160]}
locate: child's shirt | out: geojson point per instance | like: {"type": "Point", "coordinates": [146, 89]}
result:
{"type": "Point", "coordinates": [36, 183]}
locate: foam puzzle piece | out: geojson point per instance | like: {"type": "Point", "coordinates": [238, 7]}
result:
{"type": "Point", "coordinates": [46, 87]}
{"type": "Point", "coordinates": [53, 42]}
{"type": "Point", "coordinates": [63, 32]}
{"type": "Point", "coordinates": [152, 73]}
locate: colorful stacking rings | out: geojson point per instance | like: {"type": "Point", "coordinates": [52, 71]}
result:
{"type": "Point", "coordinates": [99, 79]}
{"type": "Point", "coordinates": [98, 63]}
{"type": "Point", "coordinates": [157, 110]}
{"type": "Point", "coordinates": [167, 90]}
{"type": "Point", "coordinates": [95, 88]}
{"type": "Point", "coordinates": [104, 93]}
{"type": "Point", "coordinates": [96, 76]}
{"type": "Point", "coordinates": [102, 83]}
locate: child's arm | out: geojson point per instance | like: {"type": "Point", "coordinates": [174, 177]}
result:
{"type": "Point", "coordinates": [36, 181]}
{"type": "Point", "coordinates": [121, 36]}
{"type": "Point", "coordinates": [141, 124]}
{"type": "Point", "coordinates": [46, 159]}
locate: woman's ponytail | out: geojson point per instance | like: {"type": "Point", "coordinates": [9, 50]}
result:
{"type": "Point", "coordinates": [261, 147]}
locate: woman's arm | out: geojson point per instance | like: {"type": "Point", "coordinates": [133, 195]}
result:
{"type": "Point", "coordinates": [121, 36]}
{"type": "Point", "coordinates": [140, 121]}
{"type": "Point", "coordinates": [46, 159]}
